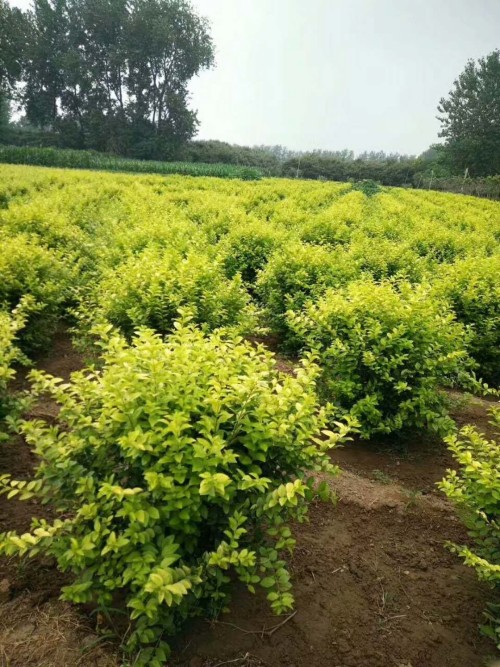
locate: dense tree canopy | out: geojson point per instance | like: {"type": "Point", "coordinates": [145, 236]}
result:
{"type": "Point", "coordinates": [470, 118]}
{"type": "Point", "coordinates": [109, 74]}
{"type": "Point", "coordinates": [13, 35]}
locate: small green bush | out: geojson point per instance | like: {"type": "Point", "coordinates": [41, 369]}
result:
{"type": "Point", "coordinates": [247, 249]}
{"type": "Point", "coordinates": [10, 325]}
{"type": "Point", "coordinates": [473, 288]}
{"type": "Point", "coordinates": [439, 245]}
{"type": "Point", "coordinates": [29, 269]}
{"type": "Point", "coordinates": [325, 230]}
{"type": "Point", "coordinates": [385, 351]}
{"type": "Point", "coordinates": [148, 289]}
{"type": "Point", "coordinates": [383, 258]}
{"type": "Point", "coordinates": [174, 464]}
{"type": "Point", "coordinates": [295, 273]}
{"type": "Point", "coordinates": [475, 487]}
{"type": "Point", "coordinates": [367, 186]}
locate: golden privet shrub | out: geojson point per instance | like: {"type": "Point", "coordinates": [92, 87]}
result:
{"type": "Point", "coordinates": [172, 465]}
{"type": "Point", "coordinates": [148, 289]}
{"type": "Point", "coordinates": [385, 351]}
{"type": "Point", "coordinates": [475, 488]}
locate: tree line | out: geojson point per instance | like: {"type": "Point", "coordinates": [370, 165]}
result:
{"type": "Point", "coordinates": [385, 168]}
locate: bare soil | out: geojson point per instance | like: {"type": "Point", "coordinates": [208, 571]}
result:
{"type": "Point", "coordinates": [374, 587]}
{"type": "Point", "coordinates": [374, 584]}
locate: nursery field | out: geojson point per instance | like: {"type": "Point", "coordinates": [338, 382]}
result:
{"type": "Point", "coordinates": [247, 422]}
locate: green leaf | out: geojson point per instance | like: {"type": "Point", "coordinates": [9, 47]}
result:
{"type": "Point", "coordinates": [268, 582]}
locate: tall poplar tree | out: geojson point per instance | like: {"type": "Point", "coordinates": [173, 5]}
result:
{"type": "Point", "coordinates": [114, 74]}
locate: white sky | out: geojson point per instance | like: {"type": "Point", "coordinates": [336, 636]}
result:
{"type": "Point", "coordinates": [333, 74]}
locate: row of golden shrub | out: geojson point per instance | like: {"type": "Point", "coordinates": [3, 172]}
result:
{"type": "Point", "coordinates": [386, 298]}
{"type": "Point", "coordinates": [134, 251]}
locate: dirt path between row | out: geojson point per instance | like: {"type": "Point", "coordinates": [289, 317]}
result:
{"type": "Point", "coordinates": [374, 587]}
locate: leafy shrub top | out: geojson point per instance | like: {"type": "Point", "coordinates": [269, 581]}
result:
{"type": "Point", "coordinates": [149, 288]}
{"type": "Point", "coordinates": [246, 250]}
{"type": "Point", "coordinates": [27, 268]}
{"type": "Point", "coordinates": [295, 273]}
{"type": "Point", "coordinates": [367, 186]}
{"type": "Point", "coordinates": [10, 325]}
{"type": "Point", "coordinates": [164, 464]}
{"type": "Point", "coordinates": [384, 351]}
{"type": "Point", "coordinates": [475, 487]}
{"type": "Point", "coordinates": [472, 286]}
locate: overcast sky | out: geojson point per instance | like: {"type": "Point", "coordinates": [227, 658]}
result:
{"type": "Point", "coordinates": [333, 74]}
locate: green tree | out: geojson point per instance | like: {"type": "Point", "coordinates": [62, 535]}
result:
{"type": "Point", "coordinates": [113, 75]}
{"type": "Point", "coordinates": [13, 35]}
{"type": "Point", "coordinates": [43, 75]}
{"type": "Point", "coordinates": [470, 118]}
{"type": "Point", "coordinates": [4, 116]}
{"type": "Point", "coordinates": [167, 44]}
